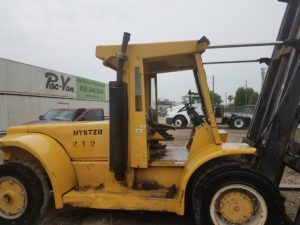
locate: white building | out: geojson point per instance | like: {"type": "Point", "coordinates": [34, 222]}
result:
{"type": "Point", "coordinates": [27, 91]}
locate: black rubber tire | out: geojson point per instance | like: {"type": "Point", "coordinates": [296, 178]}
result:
{"type": "Point", "coordinates": [182, 120]}
{"type": "Point", "coordinates": [238, 123]}
{"type": "Point", "coordinates": [34, 191]}
{"type": "Point", "coordinates": [220, 175]}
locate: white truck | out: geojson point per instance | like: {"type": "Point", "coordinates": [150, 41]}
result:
{"type": "Point", "coordinates": [178, 117]}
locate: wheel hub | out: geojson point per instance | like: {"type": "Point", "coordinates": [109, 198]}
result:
{"type": "Point", "coordinates": [178, 123]}
{"type": "Point", "coordinates": [239, 123]}
{"type": "Point", "coordinates": [7, 197]}
{"type": "Point", "coordinates": [236, 207]}
{"type": "Point", "coordinates": [238, 204]}
{"type": "Point", "coordinates": [13, 198]}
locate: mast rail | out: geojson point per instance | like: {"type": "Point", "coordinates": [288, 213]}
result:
{"type": "Point", "coordinates": [265, 60]}
{"type": "Point", "coordinates": [242, 45]}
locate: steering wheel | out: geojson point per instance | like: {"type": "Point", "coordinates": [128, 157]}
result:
{"type": "Point", "coordinates": [194, 116]}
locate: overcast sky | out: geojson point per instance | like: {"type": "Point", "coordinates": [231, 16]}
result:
{"type": "Point", "coordinates": [62, 35]}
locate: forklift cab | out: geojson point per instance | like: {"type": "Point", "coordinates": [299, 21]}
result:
{"type": "Point", "coordinates": [161, 132]}
{"type": "Point", "coordinates": [144, 63]}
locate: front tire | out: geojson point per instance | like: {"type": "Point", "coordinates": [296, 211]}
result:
{"type": "Point", "coordinates": [21, 195]}
{"type": "Point", "coordinates": [231, 193]}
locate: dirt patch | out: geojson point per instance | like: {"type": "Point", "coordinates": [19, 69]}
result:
{"type": "Point", "coordinates": [292, 197]}
{"type": "Point", "coordinates": [107, 217]}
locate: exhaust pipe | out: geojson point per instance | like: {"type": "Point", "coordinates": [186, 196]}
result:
{"type": "Point", "coordinates": [118, 108]}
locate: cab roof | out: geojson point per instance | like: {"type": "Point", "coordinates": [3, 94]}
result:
{"type": "Point", "coordinates": [157, 57]}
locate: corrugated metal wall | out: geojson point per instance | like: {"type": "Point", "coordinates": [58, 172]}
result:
{"type": "Point", "coordinates": [22, 78]}
{"type": "Point", "coordinates": [17, 77]}
{"type": "Point", "coordinates": [26, 92]}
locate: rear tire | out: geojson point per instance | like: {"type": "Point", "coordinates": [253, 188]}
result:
{"type": "Point", "coordinates": [231, 193]}
{"type": "Point", "coordinates": [22, 196]}
{"type": "Point", "coordinates": [180, 122]}
{"type": "Point", "coordinates": [238, 123]}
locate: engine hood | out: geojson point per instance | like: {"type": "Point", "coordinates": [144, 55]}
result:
{"type": "Point", "coordinates": [81, 140]}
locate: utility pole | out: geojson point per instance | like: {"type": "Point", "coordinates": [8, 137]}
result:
{"type": "Point", "coordinates": [263, 75]}
{"type": "Point", "coordinates": [213, 94]}
{"type": "Point", "coordinates": [246, 94]}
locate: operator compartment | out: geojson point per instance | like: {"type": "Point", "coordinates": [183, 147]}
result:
{"type": "Point", "coordinates": [163, 147]}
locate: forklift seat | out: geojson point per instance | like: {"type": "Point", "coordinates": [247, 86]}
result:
{"type": "Point", "coordinates": [160, 128]}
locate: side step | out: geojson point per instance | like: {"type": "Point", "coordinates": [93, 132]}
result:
{"type": "Point", "coordinates": [154, 200]}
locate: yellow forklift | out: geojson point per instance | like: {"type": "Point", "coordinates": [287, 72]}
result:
{"type": "Point", "coordinates": [122, 164]}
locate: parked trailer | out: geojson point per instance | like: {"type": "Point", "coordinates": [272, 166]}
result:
{"type": "Point", "coordinates": [38, 89]}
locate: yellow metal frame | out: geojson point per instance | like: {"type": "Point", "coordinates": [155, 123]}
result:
{"type": "Point", "coordinates": [206, 98]}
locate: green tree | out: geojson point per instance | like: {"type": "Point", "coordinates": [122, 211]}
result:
{"type": "Point", "coordinates": [215, 98]}
{"type": "Point", "coordinates": [253, 99]}
{"type": "Point", "coordinates": [241, 94]}
{"type": "Point", "coordinates": [163, 101]}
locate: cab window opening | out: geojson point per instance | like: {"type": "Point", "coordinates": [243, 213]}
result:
{"type": "Point", "coordinates": [138, 90]}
